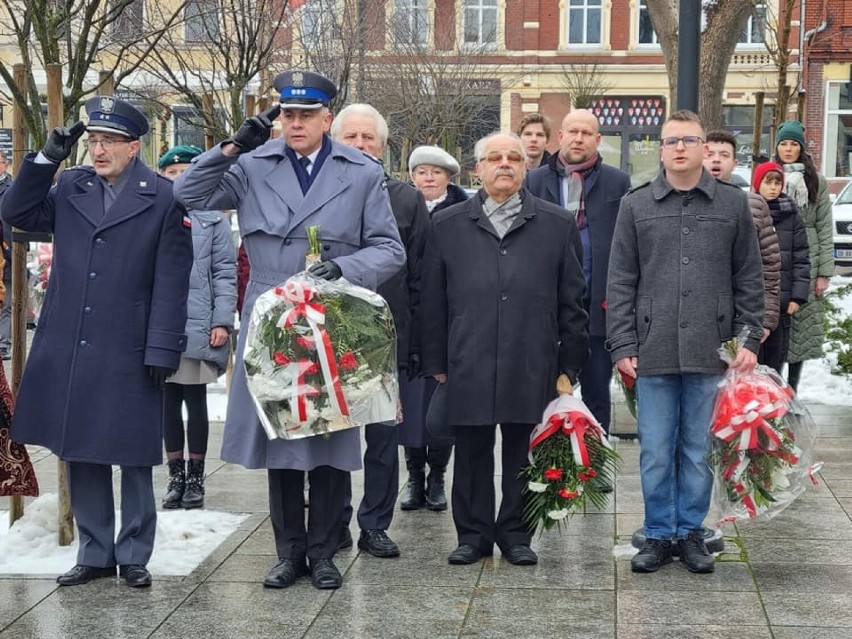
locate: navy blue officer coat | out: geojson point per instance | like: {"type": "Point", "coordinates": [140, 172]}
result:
{"type": "Point", "coordinates": [116, 301]}
{"type": "Point", "coordinates": [348, 199]}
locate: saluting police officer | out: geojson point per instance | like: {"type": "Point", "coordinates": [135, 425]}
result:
{"type": "Point", "coordinates": [110, 332]}
{"type": "Point", "coordinates": [281, 187]}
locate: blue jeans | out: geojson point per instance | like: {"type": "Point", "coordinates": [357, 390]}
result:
{"type": "Point", "coordinates": [674, 415]}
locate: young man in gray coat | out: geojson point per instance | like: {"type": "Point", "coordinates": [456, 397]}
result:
{"type": "Point", "coordinates": [684, 276]}
{"type": "Point", "coordinates": [280, 188]}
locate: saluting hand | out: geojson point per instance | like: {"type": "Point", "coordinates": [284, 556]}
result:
{"type": "Point", "coordinates": [61, 140]}
{"type": "Point", "coordinates": [255, 130]}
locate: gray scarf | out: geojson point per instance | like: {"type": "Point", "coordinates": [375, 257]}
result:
{"type": "Point", "coordinates": [503, 215]}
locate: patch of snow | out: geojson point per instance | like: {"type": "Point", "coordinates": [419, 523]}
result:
{"type": "Point", "coordinates": [184, 539]}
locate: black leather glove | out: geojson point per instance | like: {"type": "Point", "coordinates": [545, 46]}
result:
{"type": "Point", "coordinates": [414, 366]}
{"type": "Point", "coordinates": [255, 130]}
{"type": "Point", "coordinates": [60, 141]}
{"type": "Point", "coordinates": [159, 374]}
{"type": "Point", "coordinates": [326, 271]}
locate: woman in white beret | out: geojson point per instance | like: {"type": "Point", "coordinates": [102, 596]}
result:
{"type": "Point", "coordinates": [431, 170]}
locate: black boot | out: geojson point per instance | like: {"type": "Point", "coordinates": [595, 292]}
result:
{"type": "Point", "coordinates": [414, 495]}
{"type": "Point", "coordinates": [436, 497]}
{"type": "Point", "coordinates": [193, 496]}
{"type": "Point", "coordinates": [177, 484]}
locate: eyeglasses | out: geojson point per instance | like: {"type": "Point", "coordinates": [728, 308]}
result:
{"type": "Point", "coordinates": [435, 172]}
{"type": "Point", "coordinates": [107, 144]}
{"type": "Point", "coordinates": [689, 141]}
{"type": "Point", "coordinates": [515, 157]}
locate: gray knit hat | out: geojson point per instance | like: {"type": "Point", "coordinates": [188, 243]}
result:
{"type": "Point", "coordinates": [434, 155]}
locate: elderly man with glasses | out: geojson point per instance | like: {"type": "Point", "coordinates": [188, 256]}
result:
{"type": "Point", "coordinates": [110, 332]}
{"type": "Point", "coordinates": [502, 311]}
{"type": "Point", "coordinates": [685, 275]}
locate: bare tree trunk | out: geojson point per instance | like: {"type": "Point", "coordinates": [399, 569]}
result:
{"type": "Point", "coordinates": [725, 20]}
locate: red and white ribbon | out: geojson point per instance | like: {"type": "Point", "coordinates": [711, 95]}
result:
{"type": "Point", "coordinates": [573, 418]}
{"type": "Point", "coordinates": [300, 296]}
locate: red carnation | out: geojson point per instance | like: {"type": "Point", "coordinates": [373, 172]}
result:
{"type": "Point", "coordinates": [568, 494]}
{"type": "Point", "coordinates": [280, 358]}
{"type": "Point", "coordinates": [348, 361]}
{"type": "Point", "coordinates": [553, 474]}
{"type": "Point", "coordinates": [584, 477]}
{"type": "Point", "coordinates": [311, 369]}
{"type": "Point", "coordinates": [592, 472]}
{"type": "Point", "coordinates": [305, 342]}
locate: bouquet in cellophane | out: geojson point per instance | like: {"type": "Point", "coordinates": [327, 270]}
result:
{"type": "Point", "coordinates": [320, 357]}
{"type": "Point", "coordinates": [571, 462]}
{"type": "Point", "coordinates": [39, 278]}
{"type": "Point", "coordinates": [763, 442]}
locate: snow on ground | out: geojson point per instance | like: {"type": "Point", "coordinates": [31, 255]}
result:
{"type": "Point", "coordinates": [184, 539]}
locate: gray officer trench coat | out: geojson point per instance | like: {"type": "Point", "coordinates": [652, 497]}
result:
{"type": "Point", "coordinates": [348, 199]}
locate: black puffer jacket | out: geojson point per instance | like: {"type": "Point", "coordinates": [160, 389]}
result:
{"type": "Point", "coordinates": [795, 254]}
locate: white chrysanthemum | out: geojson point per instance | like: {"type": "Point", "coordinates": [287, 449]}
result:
{"type": "Point", "coordinates": [537, 487]}
{"type": "Point", "coordinates": [562, 513]}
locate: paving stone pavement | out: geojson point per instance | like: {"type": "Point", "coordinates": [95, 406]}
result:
{"type": "Point", "coordinates": [788, 579]}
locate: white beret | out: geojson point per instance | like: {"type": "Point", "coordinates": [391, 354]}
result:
{"type": "Point", "coordinates": [435, 156]}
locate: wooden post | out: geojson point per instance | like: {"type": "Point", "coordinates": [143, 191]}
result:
{"type": "Point", "coordinates": [19, 271]}
{"type": "Point", "coordinates": [758, 128]}
{"type": "Point", "coordinates": [262, 103]}
{"type": "Point", "coordinates": [251, 105]}
{"type": "Point", "coordinates": [209, 108]}
{"type": "Point", "coordinates": [107, 83]}
{"type": "Point", "coordinates": [56, 117]}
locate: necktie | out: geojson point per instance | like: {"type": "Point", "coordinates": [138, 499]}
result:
{"type": "Point", "coordinates": [306, 163]}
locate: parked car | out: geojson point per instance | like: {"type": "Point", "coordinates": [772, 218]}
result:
{"type": "Point", "coordinates": [841, 211]}
{"type": "Point", "coordinates": [741, 177]}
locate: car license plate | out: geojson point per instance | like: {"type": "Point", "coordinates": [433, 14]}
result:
{"type": "Point", "coordinates": [838, 253]}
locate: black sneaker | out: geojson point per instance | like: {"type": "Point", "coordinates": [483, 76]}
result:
{"type": "Point", "coordinates": [377, 543]}
{"type": "Point", "coordinates": [694, 553]}
{"type": "Point", "coordinates": [655, 553]}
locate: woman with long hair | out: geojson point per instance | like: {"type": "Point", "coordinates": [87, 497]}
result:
{"type": "Point", "coordinates": [810, 191]}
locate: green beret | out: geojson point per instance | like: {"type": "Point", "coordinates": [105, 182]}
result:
{"type": "Point", "coordinates": [182, 154]}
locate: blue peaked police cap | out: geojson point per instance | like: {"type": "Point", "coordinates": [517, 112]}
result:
{"type": "Point", "coordinates": [304, 90]}
{"type": "Point", "coordinates": [111, 115]}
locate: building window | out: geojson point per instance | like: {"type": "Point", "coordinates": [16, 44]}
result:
{"type": "Point", "coordinates": [202, 21]}
{"type": "Point", "coordinates": [584, 22]}
{"type": "Point", "coordinates": [318, 27]}
{"type": "Point", "coordinates": [129, 22]}
{"type": "Point", "coordinates": [753, 31]}
{"type": "Point", "coordinates": [738, 119]}
{"type": "Point", "coordinates": [411, 21]}
{"type": "Point", "coordinates": [188, 126]}
{"type": "Point", "coordinates": [480, 22]}
{"type": "Point", "coordinates": [646, 35]}
{"type": "Point", "coordinates": [837, 153]}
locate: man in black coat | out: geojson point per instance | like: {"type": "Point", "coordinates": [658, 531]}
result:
{"type": "Point", "coordinates": [577, 179]}
{"type": "Point", "coordinates": [503, 315]}
{"type": "Point", "coordinates": [362, 126]}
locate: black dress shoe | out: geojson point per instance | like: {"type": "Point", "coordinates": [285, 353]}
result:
{"type": "Point", "coordinates": [325, 575]}
{"type": "Point", "coordinates": [79, 575]}
{"type": "Point", "coordinates": [378, 544]}
{"type": "Point", "coordinates": [285, 573]}
{"type": "Point", "coordinates": [520, 556]}
{"type": "Point", "coordinates": [135, 575]}
{"type": "Point", "coordinates": [345, 540]}
{"type": "Point", "coordinates": [466, 554]}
